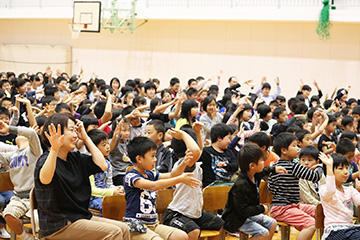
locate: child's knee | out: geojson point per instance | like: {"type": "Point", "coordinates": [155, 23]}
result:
{"type": "Point", "coordinates": [194, 234]}
{"type": "Point", "coordinates": [178, 235]}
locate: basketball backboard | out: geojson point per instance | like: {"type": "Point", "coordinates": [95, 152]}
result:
{"type": "Point", "coordinates": [87, 15]}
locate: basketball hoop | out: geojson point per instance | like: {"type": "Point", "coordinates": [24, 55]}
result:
{"type": "Point", "coordinates": [76, 28]}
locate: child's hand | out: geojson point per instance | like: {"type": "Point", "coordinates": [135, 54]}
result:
{"type": "Point", "coordinates": [82, 135]}
{"type": "Point", "coordinates": [221, 164]}
{"type": "Point", "coordinates": [188, 180]}
{"type": "Point", "coordinates": [103, 126]}
{"type": "Point", "coordinates": [36, 128]}
{"type": "Point", "coordinates": [55, 138]}
{"type": "Point", "coordinates": [331, 144]}
{"type": "Point", "coordinates": [4, 128]}
{"type": "Point", "coordinates": [326, 159]}
{"type": "Point", "coordinates": [118, 191]}
{"type": "Point", "coordinates": [314, 166]}
{"type": "Point", "coordinates": [197, 126]}
{"type": "Point", "coordinates": [188, 157]}
{"type": "Point", "coordinates": [281, 170]}
{"type": "Point", "coordinates": [176, 133]}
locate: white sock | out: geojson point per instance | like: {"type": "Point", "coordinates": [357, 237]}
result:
{"type": "Point", "coordinates": [25, 236]}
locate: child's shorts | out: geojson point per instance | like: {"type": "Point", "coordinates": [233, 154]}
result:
{"type": "Point", "coordinates": [17, 207]}
{"type": "Point", "coordinates": [257, 225]}
{"type": "Point", "coordinates": [153, 230]}
{"type": "Point", "coordinates": [207, 221]}
{"type": "Point", "coordinates": [301, 216]}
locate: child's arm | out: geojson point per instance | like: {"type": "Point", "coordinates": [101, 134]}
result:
{"type": "Point", "coordinates": [327, 150]}
{"type": "Point", "coordinates": [325, 120]}
{"type": "Point", "coordinates": [108, 107]}
{"type": "Point", "coordinates": [197, 129]}
{"type": "Point", "coordinates": [99, 192]}
{"type": "Point", "coordinates": [30, 114]}
{"type": "Point", "coordinates": [300, 171]}
{"type": "Point", "coordinates": [97, 156]}
{"type": "Point", "coordinates": [329, 190]}
{"type": "Point", "coordinates": [116, 134]}
{"type": "Point", "coordinates": [165, 183]}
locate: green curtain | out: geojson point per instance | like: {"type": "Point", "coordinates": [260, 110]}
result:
{"type": "Point", "coordinates": [323, 29]}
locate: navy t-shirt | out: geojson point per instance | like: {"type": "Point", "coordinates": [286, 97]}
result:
{"type": "Point", "coordinates": [140, 203]}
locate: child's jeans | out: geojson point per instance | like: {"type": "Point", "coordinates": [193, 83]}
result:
{"type": "Point", "coordinates": [257, 225]}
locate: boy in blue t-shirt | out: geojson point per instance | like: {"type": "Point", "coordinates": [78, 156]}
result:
{"type": "Point", "coordinates": [141, 184]}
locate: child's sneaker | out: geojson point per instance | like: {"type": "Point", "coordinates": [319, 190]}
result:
{"type": "Point", "coordinates": [4, 234]}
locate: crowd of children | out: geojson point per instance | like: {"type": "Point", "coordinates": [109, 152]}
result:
{"type": "Point", "coordinates": [76, 141]}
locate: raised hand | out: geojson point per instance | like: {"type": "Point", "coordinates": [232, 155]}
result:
{"type": "Point", "coordinates": [263, 80]}
{"type": "Point", "coordinates": [82, 135]}
{"type": "Point", "coordinates": [326, 159]}
{"type": "Point", "coordinates": [56, 139]}
{"type": "Point", "coordinates": [277, 80]}
{"type": "Point", "coordinates": [175, 133]}
{"type": "Point", "coordinates": [197, 126]}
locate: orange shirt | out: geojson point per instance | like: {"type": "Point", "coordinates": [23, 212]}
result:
{"type": "Point", "coordinates": [271, 159]}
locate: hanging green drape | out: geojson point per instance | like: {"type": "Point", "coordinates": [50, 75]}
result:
{"type": "Point", "coordinates": [323, 29]}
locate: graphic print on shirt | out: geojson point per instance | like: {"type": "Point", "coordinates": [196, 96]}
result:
{"type": "Point", "coordinates": [220, 172]}
{"type": "Point", "coordinates": [19, 161]}
{"type": "Point", "coordinates": [147, 208]}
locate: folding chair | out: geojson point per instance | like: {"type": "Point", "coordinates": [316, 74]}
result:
{"type": "Point", "coordinates": [114, 207]}
{"type": "Point", "coordinates": [319, 221]}
{"type": "Point", "coordinates": [215, 199]}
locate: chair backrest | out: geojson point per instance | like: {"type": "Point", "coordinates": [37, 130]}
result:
{"type": "Point", "coordinates": [264, 194]}
{"type": "Point", "coordinates": [5, 182]}
{"type": "Point", "coordinates": [34, 220]}
{"type": "Point", "coordinates": [163, 199]}
{"type": "Point", "coordinates": [215, 198]}
{"type": "Point", "coordinates": [319, 216]}
{"type": "Point", "coordinates": [114, 207]}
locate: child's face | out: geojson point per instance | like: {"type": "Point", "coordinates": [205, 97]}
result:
{"type": "Point", "coordinates": [349, 156]}
{"type": "Point", "coordinates": [308, 161]}
{"type": "Point", "coordinates": [150, 93]}
{"type": "Point", "coordinates": [167, 97]}
{"type": "Point", "coordinates": [63, 85]}
{"type": "Point", "coordinates": [306, 141]}
{"type": "Point", "coordinates": [306, 93]}
{"type": "Point", "coordinates": [356, 117]}
{"type": "Point", "coordinates": [331, 127]}
{"type": "Point", "coordinates": [104, 147]}
{"type": "Point", "coordinates": [211, 107]}
{"type": "Point", "coordinates": [283, 117]}
{"type": "Point", "coordinates": [57, 95]}
{"type": "Point", "coordinates": [151, 133]}
{"type": "Point", "coordinates": [338, 121]}
{"type": "Point", "coordinates": [194, 112]}
{"type": "Point", "coordinates": [202, 96]}
{"type": "Point", "coordinates": [354, 104]}
{"type": "Point", "coordinates": [6, 104]}
{"type": "Point", "coordinates": [115, 85]}
{"type": "Point", "coordinates": [22, 89]}
{"type": "Point", "coordinates": [175, 88]}
{"type": "Point", "coordinates": [246, 115]}
{"type": "Point", "coordinates": [5, 118]}
{"type": "Point", "coordinates": [6, 87]}
{"type": "Point", "coordinates": [193, 84]}
{"type": "Point", "coordinates": [268, 116]}
{"type": "Point", "coordinates": [91, 127]}
{"type": "Point", "coordinates": [125, 132]}
{"type": "Point", "coordinates": [265, 92]}
{"type": "Point", "coordinates": [292, 151]}
{"type": "Point", "coordinates": [135, 121]}
{"type": "Point", "coordinates": [148, 161]}
{"type": "Point", "coordinates": [194, 96]}
{"type": "Point", "coordinates": [349, 127]}
{"type": "Point", "coordinates": [307, 126]}
{"type": "Point", "coordinates": [223, 143]}
{"type": "Point", "coordinates": [272, 107]}
{"type": "Point", "coordinates": [259, 166]}
{"type": "Point", "coordinates": [129, 99]}
{"type": "Point", "coordinates": [341, 173]}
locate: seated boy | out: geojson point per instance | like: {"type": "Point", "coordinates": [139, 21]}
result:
{"type": "Point", "coordinates": [263, 141]}
{"type": "Point", "coordinates": [309, 191]}
{"type": "Point", "coordinates": [155, 130]}
{"type": "Point", "coordinates": [141, 184]}
{"type": "Point", "coordinates": [348, 124]}
{"type": "Point", "coordinates": [327, 141]}
{"type": "Point", "coordinates": [286, 206]}
{"type": "Point", "coordinates": [185, 211]}
{"type": "Point", "coordinates": [22, 166]}
{"type": "Point", "coordinates": [281, 116]}
{"type": "Point", "coordinates": [218, 162]}
{"type": "Point", "coordinates": [101, 183]}
{"type": "Point", "coordinates": [346, 147]}
{"type": "Point", "coordinates": [243, 211]}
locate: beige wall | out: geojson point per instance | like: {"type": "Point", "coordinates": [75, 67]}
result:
{"type": "Point", "coordinates": [246, 49]}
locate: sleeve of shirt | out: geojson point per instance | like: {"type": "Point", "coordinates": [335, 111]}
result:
{"type": "Point", "coordinates": [277, 92]}
{"type": "Point", "coordinates": [130, 178]}
{"type": "Point", "coordinates": [233, 163]}
{"type": "Point", "coordinates": [241, 200]}
{"type": "Point", "coordinates": [34, 142]}
{"type": "Point", "coordinates": [300, 171]}
{"type": "Point", "coordinates": [328, 190]}
{"type": "Point", "coordinates": [87, 161]}
{"type": "Point", "coordinates": [99, 192]}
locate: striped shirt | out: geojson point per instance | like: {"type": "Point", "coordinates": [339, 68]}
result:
{"type": "Point", "coordinates": [285, 187]}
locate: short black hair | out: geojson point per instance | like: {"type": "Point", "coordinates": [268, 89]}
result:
{"type": "Point", "coordinates": [280, 98]}
{"type": "Point", "coordinates": [139, 146]}
{"type": "Point", "coordinates": [158, 125]}
{"type": "Point", "coordinates": [310, 151]}
{"type": "Point", "coordinates": [61, 106]}
{"type": "Point", "coordinates": [174, 81]}
{"type": "Point", "coordinates": [293, 102]}
{"type": "Point", "coordinates": [47, 100]}
{"type": "Point", "coordinates": [191, 91]}
{"type": "Point", "coordinates": [50, 89]}
{"type": "Point", "coordinates": [266, 85]}
{"type": "Point", "coordinates": [338, 114]}
{"type": "Point", "coordinates": [154, 103]}
{"type": "Point", "coordinates": [99, 108]}
{"type": "Point", "coordinates": [40, 120]}
{"type": "Point", "coordinates": [130, 83]}
{"type": "Point", "coordinates": [166, 90]}
{"type": "Point", "coordinates": [338, 161]}
{"type": "Point", "coordinates": [293, 128]}
{"type": "Point", "coordinates": [346, 110]}
{"type": "Point", "coordinates": [207, 101]}
{"type": "Point", "coordinates": [191, 80]}
{"type": "Point", "coordinates": [300, 134]}
{"type": "Point", "coordinates": [149, 85]}
{"type": "Point", "coordinates": [331, 119]}
{"type": "Point", "coordinates": [263, 110]}
{"type": "Point", "coordinates": [306, 87]}
{"type": "Point", "coordinates": [88, 120]}
{"type": "Point", "coordinates": [214, 87]}
{"type": "Point", "coordinates": [60, 79]}
{"type": "Point", "coordinates": [345, 146]}
{"type": "Point", "coordinates": [96, 136]}
{"type": "Point", "coordinates": [139, 100]}
{"type": "Point", "coordinates": [300, 122]}
{"type": "Point", "coordinates": [348, 134]}
{"type": "Point", "coordinates": [261, 139]}
{"type": "Point", "coordinates": [300, 108]}
{"type": "Point", "coordinates": [347, 120]}
{"type": "Point", "coordinates": [178, 145]}
{"type": "Point", "coordinates": [283, 140]}
{"type": "Point", "coordinates": [328, 103]}
{"type": "Point", "coordinates": [4, 111]}
{"type": "Point", "coordinates": [155, 80]}
{"type": "Point", "coordinates": [127, 110]}
{"type": "Point", "coordinates": [356, 110]}
{"type": "Point", "coordinates": [249, 153]}
{"type": "Point", "coordinates": [278, 111]}
{"type": "Point", "coordinates": [219, 130]}
{"type": "Point", "coordinates": [350, 101]}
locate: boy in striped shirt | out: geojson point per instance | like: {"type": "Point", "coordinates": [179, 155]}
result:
{"type": "Point", "coordinates": [286, 206]}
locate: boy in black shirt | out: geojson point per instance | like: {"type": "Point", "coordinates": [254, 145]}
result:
{"type": "Point", "coordinates": [218, 162]}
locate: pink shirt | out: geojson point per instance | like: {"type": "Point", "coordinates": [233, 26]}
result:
{"type": "Point", "coordinates": [338, 206]}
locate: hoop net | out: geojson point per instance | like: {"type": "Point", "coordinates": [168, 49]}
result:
{"type": "Point", "coordinates": [76, 28]}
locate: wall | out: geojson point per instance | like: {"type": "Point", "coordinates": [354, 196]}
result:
{"type": "Point", "coordinates": [185, 48]}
